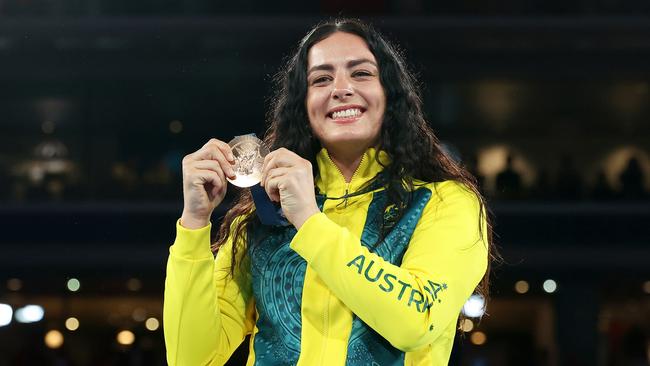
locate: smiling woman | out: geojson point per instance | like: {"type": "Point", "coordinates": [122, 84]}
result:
{"type": "Point", "coordinates": [345, 99]}
{"type": "Point", "coordinates": [388, 237]}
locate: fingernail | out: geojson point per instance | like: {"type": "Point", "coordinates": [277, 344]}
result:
{"type": "Point", "coordinates": [231, 157]}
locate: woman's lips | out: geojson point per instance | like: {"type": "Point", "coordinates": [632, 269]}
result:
{"type": "Point", "coordinates": [346, 120]}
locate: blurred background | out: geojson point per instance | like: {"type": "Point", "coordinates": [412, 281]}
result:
{"type": "Point", "coordinates": [547, 102]}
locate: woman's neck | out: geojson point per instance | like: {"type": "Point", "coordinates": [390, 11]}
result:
{"type": "Point", "coordinates": [346, 160]}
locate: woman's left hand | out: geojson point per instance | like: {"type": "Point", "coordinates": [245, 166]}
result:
{"type": "Point", "coordinates": [287, 178]}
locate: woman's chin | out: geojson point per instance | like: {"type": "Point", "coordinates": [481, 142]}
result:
{"type": "Point", "coordinates": [347, 141]}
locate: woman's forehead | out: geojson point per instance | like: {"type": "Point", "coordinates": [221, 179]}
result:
{"type": "Point", "coordinates": [338, 49]}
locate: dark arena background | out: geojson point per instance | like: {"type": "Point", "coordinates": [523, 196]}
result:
{"type": "Point", "coordinates": [547, 102]}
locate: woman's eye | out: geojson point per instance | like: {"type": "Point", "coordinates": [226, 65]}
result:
{"type": "Point", "coordinates": [361, 73]}
{"type": "Point", "coordinates": [319, 80]}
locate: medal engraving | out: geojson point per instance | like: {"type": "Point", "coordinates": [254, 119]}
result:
{"type": "Point", "coordinates": [249, 152]}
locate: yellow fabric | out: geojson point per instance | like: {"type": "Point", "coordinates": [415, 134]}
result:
{"type": "Point", "coordinates": [206, 317]}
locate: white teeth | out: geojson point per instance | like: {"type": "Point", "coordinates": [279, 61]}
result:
{"type": "Point", "coordinates": [346, 113]}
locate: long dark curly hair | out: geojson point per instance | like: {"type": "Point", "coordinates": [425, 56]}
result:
{"type": "Point", "coordinates": [413, 148]}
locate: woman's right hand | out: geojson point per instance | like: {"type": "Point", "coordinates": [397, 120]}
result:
{"type": "Point", "coordinates": [204, 182]}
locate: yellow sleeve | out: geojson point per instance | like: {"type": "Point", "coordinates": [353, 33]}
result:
{"type": "Point", "coordinates": [409, 305]}
{"type": "Point", "coordinates": [206, 313]}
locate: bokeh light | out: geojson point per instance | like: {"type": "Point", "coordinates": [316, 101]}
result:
{"type": "Point", "coordinates": [53, 339]}
{"type": "Point", "coordinates": [73, 285]}
{"type": "Point", "coordinates": [521, 287]}
{"type": "Point", "coordinates": [134, 284]}
{"type": "Point", "coordinates": [478, 338]}
{"type": "Point", "coordinates": [466, 325]}
{"type": "Point", "coordinates": [125, 337]}
{"type": "Point", "coordinates": [6, 313]}
{"type": "Point", "coordinates": [176, 126]}
{"type": "Point", "coordinates": [152, 324]}
{"type": "Point", "coordinates": [549, 286]}
{"type": "Point", "coordinates": [475, 306]}
{"type": "Point", "coordinates": [14, 284]}
{"type": "Point", "coordinates": [72, 324]}
{"type": "Point", "coordinates": [139, 314]}
{"type": "Point", "coordinates": [30, 314]}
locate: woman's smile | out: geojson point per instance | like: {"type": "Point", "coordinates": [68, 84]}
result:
{"type": "Point", "coordinates": [345, 99]}
{"type": "Point", "coordinates": [346, 114]}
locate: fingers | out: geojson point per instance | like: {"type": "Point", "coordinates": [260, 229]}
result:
{"type": "Point", "coordinates": [279, 158]}
{"type": "Point", "coordinates": [218, 187]}
{"type": "Point", "coordinates": [223, 147]}
{"type": "Point", "coordinates": [212, 166]}
{"type": "Point", "coordinates": [273, 181]}
{"type": "Point", "coordinates": [204, 180]}
{"type": "Point", "coordinates": [216, 181]}
{"type": "Point", "coordinates": [214, 150]}
{"type": "Point", "coordinates": [211, 150]}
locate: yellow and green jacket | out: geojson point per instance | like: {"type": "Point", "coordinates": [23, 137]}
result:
{"type": "Point", "coordinates": [325, 295]}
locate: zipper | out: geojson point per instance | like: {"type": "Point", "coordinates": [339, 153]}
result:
{"type": "Point", "coordinates": [327, 302]}
{"type": "Point", "coordinates": [347, 184]}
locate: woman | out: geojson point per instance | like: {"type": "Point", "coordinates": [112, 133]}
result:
{"type": "Point", "coordinates": [388, 236]}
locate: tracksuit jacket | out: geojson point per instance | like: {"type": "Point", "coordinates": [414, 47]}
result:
{"type": "Point", "coordinates": [324, 294]}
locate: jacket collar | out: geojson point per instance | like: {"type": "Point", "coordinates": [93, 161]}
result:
{"type": "Point", "coordinates": [330, 180]}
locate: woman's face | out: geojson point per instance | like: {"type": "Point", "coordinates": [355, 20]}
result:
{"type": "Point", "coordinates": [345, 100]}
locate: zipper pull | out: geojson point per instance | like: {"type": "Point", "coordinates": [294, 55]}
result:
{"type": "Point", "coordinates": [347, 189]}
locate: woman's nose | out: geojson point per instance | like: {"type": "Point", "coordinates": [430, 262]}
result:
{"type": "Point", "coordinates": [342, 92]}
{"type": "Point", "coordinates": [342, 87]}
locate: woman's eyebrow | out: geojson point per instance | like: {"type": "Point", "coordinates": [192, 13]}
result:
{"type": "Point", "coordinates": [360, 61]}
{"type": "Point", "coordinates": [351, 63]}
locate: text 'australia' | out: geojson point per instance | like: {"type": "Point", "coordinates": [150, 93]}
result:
{"type": "Point", "coordinates": [390, 283]}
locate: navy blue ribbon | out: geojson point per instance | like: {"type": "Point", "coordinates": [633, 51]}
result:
{"type": "Point", "coordinates": [269, 212]}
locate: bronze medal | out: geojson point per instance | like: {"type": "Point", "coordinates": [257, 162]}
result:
{"type": "Point", "coordinates": [249, 152]}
